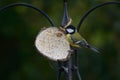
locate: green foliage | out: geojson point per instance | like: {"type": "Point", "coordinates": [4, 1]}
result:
{"type": "Point", "coordinates": [19, 59]}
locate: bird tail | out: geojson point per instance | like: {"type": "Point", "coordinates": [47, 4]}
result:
{"type": "Point", "coordinates": [93, 48]}
{"type": "Point", "coordinates": [83, 43]}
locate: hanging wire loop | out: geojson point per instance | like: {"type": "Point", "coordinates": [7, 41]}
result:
{"type": "Point", "coordinates": [91, 10]}
{"type": "Point", "coordinates": [29, 6]}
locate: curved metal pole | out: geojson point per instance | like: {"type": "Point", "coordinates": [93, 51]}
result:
{"type": "Point", "coordinates": [29, 6]}
{"type": "Point", "coordinates": [91, 10]}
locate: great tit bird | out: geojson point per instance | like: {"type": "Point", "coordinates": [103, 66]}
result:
{"type": "Point", "coordinates": [75, 39]}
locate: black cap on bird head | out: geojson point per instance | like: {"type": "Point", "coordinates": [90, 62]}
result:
{"type": "Point", "coordinates": [70, 29]}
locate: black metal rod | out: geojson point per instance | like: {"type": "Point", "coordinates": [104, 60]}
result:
{"type": "Point", "coordinates": [91, 10]}
{"type": "Point", "coordinates": [65, 14]}
{"type": "Point", "coordinates": [76, 65]}
{"type": "Point", "coordinates": [29, 6]}
{"type": "Point", "coordinates": [68, 64]}
{"type": "Point", "coordinates": [68, 69]}
{"type": "Point", "coordinates": [60, 70]}
{"type": "Point", "coordinates": [65, 1]}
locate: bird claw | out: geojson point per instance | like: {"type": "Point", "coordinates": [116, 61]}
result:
{"type": "Point", "coordinates": [71, 51]}
{"type": "Point", "coordinates": [65, 69]}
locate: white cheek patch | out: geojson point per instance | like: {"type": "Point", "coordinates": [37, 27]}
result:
{"type": "Point", "coordinates": [70, 30]}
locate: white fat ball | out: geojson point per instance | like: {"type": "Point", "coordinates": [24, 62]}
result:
{"type": "Point", "coordinates": [52, 43]}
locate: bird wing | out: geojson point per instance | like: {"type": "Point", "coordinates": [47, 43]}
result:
{"type": "Point", "coordinates": [70, 40]}
{"type": "Point", "coordinates": [76, 37]}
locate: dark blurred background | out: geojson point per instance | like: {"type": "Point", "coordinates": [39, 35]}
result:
{"type": "Point", "coordinates": [19, 59]}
